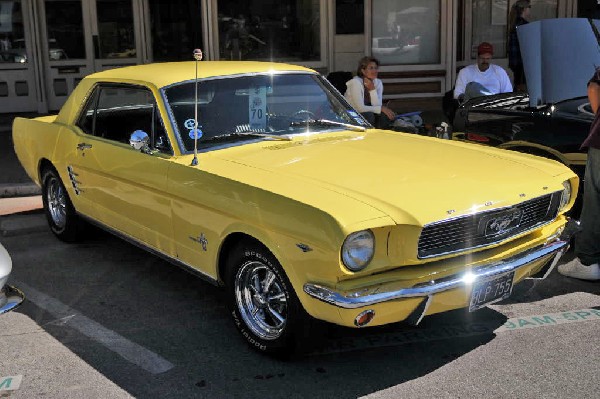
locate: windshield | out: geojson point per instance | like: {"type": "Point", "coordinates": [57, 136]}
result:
{"type": "Point", "coordinates": [272, 104]}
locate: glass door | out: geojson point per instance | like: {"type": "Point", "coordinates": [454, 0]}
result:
{"type": "Point", "coordinates": [82, 37]}
{"type": "Point", "coordinates": [173, 29]}
{"type": "Point", "coordinates": [18, 90]}
{"type": "Point", "coordinates": [115, 33]}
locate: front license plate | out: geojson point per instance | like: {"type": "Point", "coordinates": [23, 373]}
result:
{"type": "Point", "coordinates": [491, 290]}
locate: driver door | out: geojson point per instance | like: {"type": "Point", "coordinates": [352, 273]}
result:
{"type": "Point", "coordinates": [128, 187]}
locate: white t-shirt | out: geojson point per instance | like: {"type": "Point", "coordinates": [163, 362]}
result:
{"type": "Point", "coordinates": [495, 79]}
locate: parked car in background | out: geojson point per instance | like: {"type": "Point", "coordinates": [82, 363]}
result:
{"type": "Point", "coordinates": [17, 52]}
{"type": "Point", "coordinates": [262, 179]}
{"type": "Point", "coordinates": [554, 117]}
{"type": "Point", "coordinates": [507, 121]}
{"type": "Point", "coordinates": [13, 55]}
{"type": "Point", "coordinates": [10, 297]}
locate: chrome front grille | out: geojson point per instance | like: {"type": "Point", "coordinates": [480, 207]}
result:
{"type": "Point", "coordinates": [486, 228]}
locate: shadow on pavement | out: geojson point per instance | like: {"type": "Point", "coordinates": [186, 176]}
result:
{"type": "Point", "coordinates": [159, 307]}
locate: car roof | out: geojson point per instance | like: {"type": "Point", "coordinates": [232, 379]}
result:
{"type": "Point", "coordinates": [166, 73]}
{"type": "Point", "coordinates": [559, 57]}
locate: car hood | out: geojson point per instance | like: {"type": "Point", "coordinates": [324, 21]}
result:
{"type": "Point", "coordinates": [410, 178]}
{"type": "Point", "coordinates": [559, 57]}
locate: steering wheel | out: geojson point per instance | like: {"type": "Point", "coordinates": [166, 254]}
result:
{"type": "Point", "coordinates": [298, 114]}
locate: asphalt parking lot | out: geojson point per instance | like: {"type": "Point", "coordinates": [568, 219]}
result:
{"type": "Point", "coordinates": [105, 319]}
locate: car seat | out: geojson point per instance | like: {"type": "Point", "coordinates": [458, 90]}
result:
{"type": "Point", "coordinates": [338, 79]}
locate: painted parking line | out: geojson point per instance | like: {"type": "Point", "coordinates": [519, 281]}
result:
{"type": "Point", "coordinates": [125, 348]}
{"type": "Point", "coordinates": [10, 383]}
{"type": "Point", "coordinates": [452, 331]}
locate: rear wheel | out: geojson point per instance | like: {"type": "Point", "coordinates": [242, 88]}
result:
{"type": "Point", "coordinates": [263, 304]}
{"type": "Point", "coordinates": [60, 213]}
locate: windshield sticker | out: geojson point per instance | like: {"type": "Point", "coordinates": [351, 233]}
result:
{"type": "Point", "coordinates": [197, 135]}
{"type": "Point", "coordinates": [257, 109]}
{"type": "Point", "coordinates": [190, 124]}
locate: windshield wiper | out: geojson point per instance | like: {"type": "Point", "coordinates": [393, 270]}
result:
{"type": "Point", "coordinates": [247, 133]}
{"type": "Point", "coordinates": [327, 122]}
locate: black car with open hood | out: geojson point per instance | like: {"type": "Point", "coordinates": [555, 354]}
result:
{"type": "Point", "coordinates": [553, 118]}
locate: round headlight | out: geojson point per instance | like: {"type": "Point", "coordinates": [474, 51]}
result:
{"type": "Point", "coordinates": [565, 196]}
{"type": "Point", "coordinates": [358, 250]}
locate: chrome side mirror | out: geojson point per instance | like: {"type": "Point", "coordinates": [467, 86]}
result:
{"type": "Point", "coordinates": [139, 140]}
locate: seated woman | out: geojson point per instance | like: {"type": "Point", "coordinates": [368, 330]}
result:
{"type": "Point", "coordinates": [365, 93]}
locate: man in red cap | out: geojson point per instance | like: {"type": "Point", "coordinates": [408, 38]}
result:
{"type": "Point", "coordinates": [482, 78]}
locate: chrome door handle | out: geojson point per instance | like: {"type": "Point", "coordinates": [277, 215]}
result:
{"type": "Point", "coordinates": [83, 146]}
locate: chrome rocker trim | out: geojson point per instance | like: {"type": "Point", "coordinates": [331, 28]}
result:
{"type": "Point", "coordinates": [385, 292]}
{"type": "Point", "coordinates": [153, 251]}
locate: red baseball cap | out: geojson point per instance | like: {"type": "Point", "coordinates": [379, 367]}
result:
{"type": "Point", "coordinates": [485, 48]}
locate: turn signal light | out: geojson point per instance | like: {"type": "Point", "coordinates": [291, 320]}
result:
{"type": "Point", "coordinates": [364, 318]}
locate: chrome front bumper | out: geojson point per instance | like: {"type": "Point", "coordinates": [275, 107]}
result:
{"type": "Point", "coordinates": [368, 296]}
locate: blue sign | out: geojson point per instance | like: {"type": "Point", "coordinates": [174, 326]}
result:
{"type": "Point", "coordinates": [197, 135]}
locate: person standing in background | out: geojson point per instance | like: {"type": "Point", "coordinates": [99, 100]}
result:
{"type": "Point", "coordinates": [586, 265]}
{"type": "Point", "coordinates": [518, 16]}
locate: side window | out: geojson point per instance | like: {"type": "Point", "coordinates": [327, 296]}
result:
{"type": "Point", "coordinates": [115, 112]}
{"type": "Point", "coordinates": [86, 119]}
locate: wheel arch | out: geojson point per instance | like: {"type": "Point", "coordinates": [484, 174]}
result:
{"type": "Point", "coordinates": [44, 164]}
{"type": "Point", "coordinates": [228, 244]}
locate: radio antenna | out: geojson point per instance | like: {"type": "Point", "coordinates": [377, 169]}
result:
{"type": "Point", "coordinates": [197, 57]}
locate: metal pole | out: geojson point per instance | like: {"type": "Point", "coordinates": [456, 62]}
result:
{"type": "Point", "coordinates": [197, 57]}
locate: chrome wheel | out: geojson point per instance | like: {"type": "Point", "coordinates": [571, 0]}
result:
{"type": "Point", "coordinates": [57, 202]}
{"type": "Point", "coordinates": [261, 299]}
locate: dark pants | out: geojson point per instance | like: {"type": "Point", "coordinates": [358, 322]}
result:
{"type": "Point", "coordinates": [380, 121]}
{"type": "Point", "coordinates": [587, 242]}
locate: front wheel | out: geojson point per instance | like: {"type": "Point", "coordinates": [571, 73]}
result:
{"type": "Point", "coordinates": [263, 304]}
{"type": "Point", "coordinates": [60, 213]}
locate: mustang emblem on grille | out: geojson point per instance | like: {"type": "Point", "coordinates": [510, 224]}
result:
{"type": "Point", "coordinates": [502, 223]}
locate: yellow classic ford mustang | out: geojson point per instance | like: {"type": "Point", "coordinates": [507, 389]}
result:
{"type": "Point", "coordinates": [261, 178]}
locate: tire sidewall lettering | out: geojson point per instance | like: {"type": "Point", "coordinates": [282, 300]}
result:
{"type": "Point", "coordinates": [246, 255]}
{"type": "Point", "coordinates": [245, 333]}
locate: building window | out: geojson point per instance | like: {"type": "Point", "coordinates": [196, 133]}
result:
{"type": "Point", "coordinates": [349, 17]}
{"type": "Point", "coordinates": [406, 31]}
{"type": "Point", "coordinates": [490, 22]}
{"type": "Point", "coordinates": [287, 30]}
{"type": "Point", "coordinates": [64, 22]}
{"type": "Point", "coordinates": [176, 29]}
{"type": "Point", "coordinates": [116, 38]}
{"type": "Point", "coordinates": [542, 9]}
